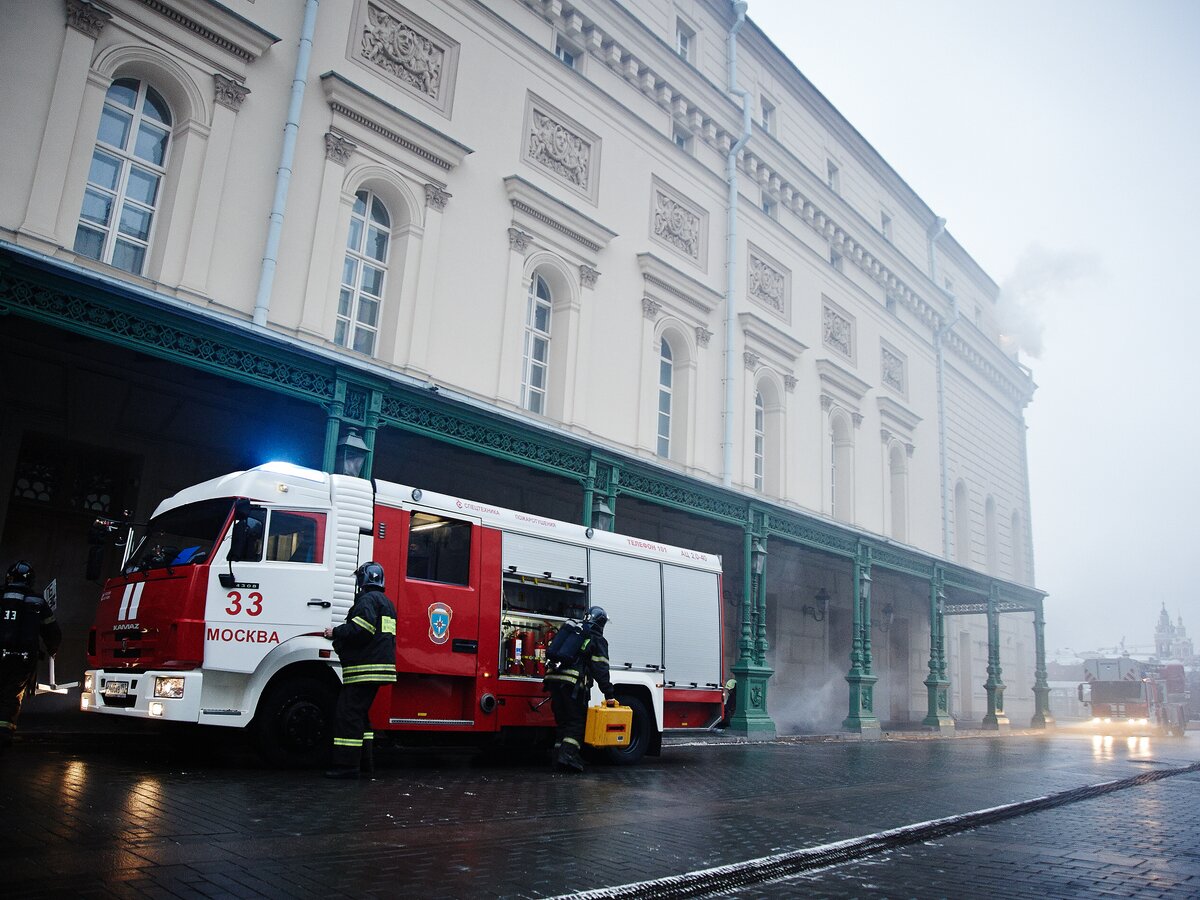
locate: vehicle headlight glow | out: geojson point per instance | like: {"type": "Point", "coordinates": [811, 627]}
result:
{"type": "Point", "coordinates": [89, 683]}
{"type": "Point", "coordinates": [1095, 720]}
{"type": "Point", "coordinates": [168, 686]}
{"type": "Point", "coordinates": [156, 708]}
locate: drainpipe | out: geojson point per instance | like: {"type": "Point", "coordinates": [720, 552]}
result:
{"type": "Point", "coordinates": [939, 334]}
{"type": "Point", "coordinates": [731, 179]}
{"type": "Point", "coordinates": [283, 177]}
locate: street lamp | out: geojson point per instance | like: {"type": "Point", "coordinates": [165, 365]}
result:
{"type": "Point", "coordinates": [602, 515]}
{"type": "Point", "coordinates": [351, 454]}
{"type": "Point", "coordinates": [758, 558]}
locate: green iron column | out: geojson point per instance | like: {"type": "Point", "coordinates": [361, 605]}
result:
{"type": "Point", "coordinates": [937, 685]}
{"type": "Point", "coordinates": [994, 719]}
{"type": "Point", "coordinates": [374, 411]}
{"type": "Point", "coordinates": [751, 670]}
{"type": "Point", "coordinates": [333, 425]}
{"type": "Point", "coordinates": [861, 718]}
{"type": "Point", "coordinates": [1041, 688]}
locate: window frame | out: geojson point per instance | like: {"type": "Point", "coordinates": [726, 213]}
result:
{"type": "Point", "coordinates": [355, 251]}
{"type": "Point", "coordinates": [665, 395]}
{"type": "Point", "coordinates": [531, 335]}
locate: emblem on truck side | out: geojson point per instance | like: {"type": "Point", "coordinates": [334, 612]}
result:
{"type": "Point", "coordinates": [439, 622]}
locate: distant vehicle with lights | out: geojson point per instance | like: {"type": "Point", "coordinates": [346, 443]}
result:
{"type": "Point", "coordinates": [217, 615]}
{"type": "Point", "coordinates": [1131, 697]}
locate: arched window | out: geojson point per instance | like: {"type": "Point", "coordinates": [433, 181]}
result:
{"type": "Point", "coordinates": [841, 470]}
{"type": "Point", "coordinates": [125, 177]}
{"type": "Point", "coordinates": [760, 439]}
{"type": "Point", "coordinates": [363, 273]}
{"type": "Point", "coordinates": [535, 366]}
{"type": "Point", "coordinates": [1018, 548]}
{"type": "Point", "coordinates": [666, 382]}
{"type": "Point", "coordinates": [898, 472]}
{"type": "Point", "coordinates": [989, 534]}
{"type": "Point", "coordinates": [962, 525]}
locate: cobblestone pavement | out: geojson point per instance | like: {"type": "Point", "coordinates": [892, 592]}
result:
{"type": "Point", "coordinates": [91, 817]}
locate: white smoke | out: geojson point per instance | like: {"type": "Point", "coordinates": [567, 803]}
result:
{"type": "Point", "coordinates": [810, 710]}
{"type": "Point", "coordinates": [1040, 277]}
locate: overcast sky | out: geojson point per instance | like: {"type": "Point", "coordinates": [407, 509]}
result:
{"type": "Point", "coordinates": [1060, 139]}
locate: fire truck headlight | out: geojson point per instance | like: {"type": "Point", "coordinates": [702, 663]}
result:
{"type": "Point", "coordinates": [1107, 719]}
{"type": "Point", "coordinates": [84, 701]}
{"type": "Point", "coordinates": [156, 708]}
{"type": "Point", "coordinates": [89, 683]}
{"type": "Point", "coordinates": [1095, 720]}
{"type": "Point", "coordinates": [170, 687]}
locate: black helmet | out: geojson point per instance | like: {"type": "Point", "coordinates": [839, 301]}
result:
{"type": "Point", "coordinates": [20, 574]}
{"type": "Point", "coordinates": [597, 618]}
{"type": "Point", "coordinates": [368, 575]}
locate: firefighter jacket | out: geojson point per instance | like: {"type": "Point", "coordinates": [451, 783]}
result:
{"type": "Point", "coordinates": [590, 665]}
{"type": "Point", "coordinates": [366, 641]}
{"type": "Point", "coordinates": [24, 619]}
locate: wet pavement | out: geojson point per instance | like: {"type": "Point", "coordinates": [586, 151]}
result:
{"type": "Point", "coordinates": [102, 815]}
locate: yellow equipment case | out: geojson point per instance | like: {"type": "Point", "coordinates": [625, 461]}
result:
{"type": "Point", "coordinates": [608, 725]}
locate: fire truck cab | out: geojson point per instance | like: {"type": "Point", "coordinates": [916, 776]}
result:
{"type": "Point", "coordinates": [218, 613]}
{"type": "Point", "coordinates": [1133, 697]}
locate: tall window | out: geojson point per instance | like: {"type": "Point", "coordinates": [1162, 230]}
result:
{"type": "Point", "coordinates": [536, 363]}
{"type": "Point", "coordinates": [885, 226]}
{"type": "Point", "coordinates": [363, 272]}
{"type": "Point", "coordinates": [962, 525]}
{"type": "Point", "coordinates": [684, 38]}
{"type": "Point", "coordinates": [898, 470]}
{"type": "Point", "coordinates": [666, 379]}
{"type": "Point", "coordinates": [841, 468]}
{"type": "Point", "coordinates": [125, 178]}
{"type": "Point", "coordinates": [833, 176]}
{"type": "Point", "coordinates": [760, 439]}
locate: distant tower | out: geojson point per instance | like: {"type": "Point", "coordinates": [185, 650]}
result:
{"type": "Point", "coordinates": [1163, 634]}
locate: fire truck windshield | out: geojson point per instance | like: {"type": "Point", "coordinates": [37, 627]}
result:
{"type": "Point", "coordinates": [180, 537]}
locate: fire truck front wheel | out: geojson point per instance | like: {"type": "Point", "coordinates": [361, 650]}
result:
{"type": "Point", "coordinates": [294, 723]}
{"type": "Point", "coordinates": [639, 736]}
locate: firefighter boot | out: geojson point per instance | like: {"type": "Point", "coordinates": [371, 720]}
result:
{"type": "Point", "coordinates": [568, 757]}
{"type": "Point", "coordinates": [342, 772]}
{"type": "Point", "coordinates": [367, 763]}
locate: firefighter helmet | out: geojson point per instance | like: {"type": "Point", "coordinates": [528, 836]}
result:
{"type": "Point", "coordinates": [20, 574]}
{"type": "Point", "coordinates": [597, 618]}
{"type": "Point", "coordinates": [368, 575]}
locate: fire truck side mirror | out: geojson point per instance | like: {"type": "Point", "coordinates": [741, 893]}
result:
{"type": "Point", "coordinates": [1085, 693]}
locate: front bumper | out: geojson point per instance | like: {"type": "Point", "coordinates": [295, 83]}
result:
{"type": "Point", "coordinates": [131, 694]}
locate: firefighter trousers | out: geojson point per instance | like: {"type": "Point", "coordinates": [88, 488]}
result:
{"type": "Point", "coordinates": [570, 713]}
{"type": "Point", "coordinates": [352, 736]}
{"type": "Point", "coordinates": [16, 675]}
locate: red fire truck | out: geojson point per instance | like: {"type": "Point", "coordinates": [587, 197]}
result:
{"type": "Point", "coordinates": [217, 615]}
{"type": "Point", "coordinates": [1128, 696]}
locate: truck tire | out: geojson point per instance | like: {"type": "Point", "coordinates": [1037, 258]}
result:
{"type": "Point", "coordinates": [639, 736]}
{"type": "Point", "coordinates": [293, 727]}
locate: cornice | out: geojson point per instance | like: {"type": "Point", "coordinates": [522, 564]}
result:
{"type": "Point", "coordinates": [658, 273]}
{"type": "Point", "coordinates": [897, 415]}
{"type": "Point", "coordinates": [218, 25]}
{"type": "Point", "coordinates": [770, 338]}
{"type": "Point", "coordinates": [841, 380]}
{"type": "Point", "coordinates": [549, 210]}
{"type": "Point", "coordinates": [359, 105]}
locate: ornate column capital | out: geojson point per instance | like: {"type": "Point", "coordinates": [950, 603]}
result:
{"type": "Point", "coordinates": [752, 360]}
{"type": "Point", "coordinates": [703, 336]}
{"type": "Point", "coordinates": [86, 17]}
{"type": "Point", "coordinates": [228, 93]}
{"type": "Point", "coordinates": [338, 148]}
{"type": "Point", "coordinates": [651, 308]}
{"type": "Point", "coordinates": [519, 240]}
{"type": "Point", "coordinates": [588, 275]}
{"type": "Point", "coordinates": [789, 383]}
{"type": "Point", "coordinates": [436, 197]}
{"type": "Point", "coordinates": [858, 419]}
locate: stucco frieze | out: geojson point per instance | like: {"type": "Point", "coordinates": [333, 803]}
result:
{"type": "Point", "coordinates": [560, 146]}
{"type": "Point", "coordinates": [769, 283]}
{"type": "Point", "coordinates": [893, 369]}
{"type": "Point", "coordinates": [837, 330]}
{"type": "Point", "coordinates": [217, 25]}
{"type": "Point", "coordinates": [394, 43]}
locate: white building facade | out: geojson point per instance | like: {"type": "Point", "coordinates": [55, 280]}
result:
{"type": "Point", "coordinates": [549, 217]}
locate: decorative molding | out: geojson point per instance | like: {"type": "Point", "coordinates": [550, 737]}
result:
{"type": "Point", "coordinates": [436, 197]}
{"type": "Point", "coordinates": [751, 360]}
{"type": "Point", "coordinates": [893, 368]}
{"type": "Point", "coordinates": [651, 308]}
{"type": "Point", "coordinates": [519, 240]}
{"type": "Point", "coordinates": [338, 148]}
{"type": "Point", "coordinates": [840, 386]}
{"type": "Point", "coordinates": [559, 146]}
{"type": "Point", "coordinates": [391, 41]}
{"type": "Point", "coordinates": [898, 419]}
{"type": "Point", "coordinates": [768, 283]}
{"type": "Point", "coordinates": [685, 296]}
{"type": "Point", "coordinates": [769, 341]}
{"type": "Point", "coordinates": [837, 329]}
{"type": "Point", "coordinates": [789, 383]}
{"type": "Point", "coordinates": [678, 224]}
{"type": "Point", "coordinates": [588, 275]}
{"type": "Point", "coordinates": [537, 206]}
{"type": "Point", "coordinates": [374, 116]}
{"type": "Point", "coordinates": [229, 93]}
{"type": "Point", "coordinates": [87, 18]}
{"type": "Point", "coordinates": [703, 336]}
{"type": "Point", "coordinates": [221, 27]}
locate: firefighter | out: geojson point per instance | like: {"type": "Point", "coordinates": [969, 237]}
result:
{"type": "Point", "coordinates": [26, 623]}
{"type": "Point", "coordinates": [570, 686]}
{"type": "Point", "coordinates": [366, 645]}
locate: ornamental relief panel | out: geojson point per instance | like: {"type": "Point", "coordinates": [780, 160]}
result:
{"type": "Point", "coordinates": [560, 146]}
{"type": "Point", "coordinates": [837, 331]}
{"type": "Point", "coordinates": [393, 42]}
{"type": "Point", "coordinates": [769, 284]}
{"type": "Point", "coordinates": [891, 370]}
{"type": "Point", "coordinates": [678, 224]}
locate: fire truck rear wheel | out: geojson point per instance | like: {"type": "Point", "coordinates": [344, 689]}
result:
{"type": "Point", "coordinates": [639, 737]}
{"type": "Point", "coordinates": [294, 723]}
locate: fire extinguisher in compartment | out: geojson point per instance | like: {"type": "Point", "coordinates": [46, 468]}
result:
{"type": "Point", "coordinates": [539, 657]}
{"type": "Point", "coordinates": [514, 653]}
